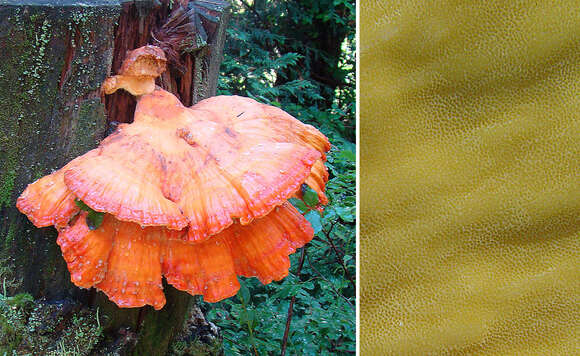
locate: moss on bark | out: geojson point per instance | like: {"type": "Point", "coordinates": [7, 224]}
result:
{"type": "Point", "coordinates": [54, 60]}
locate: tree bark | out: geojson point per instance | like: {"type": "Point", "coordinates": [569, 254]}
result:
{"type": "Point", "coordinates": [55, 55]}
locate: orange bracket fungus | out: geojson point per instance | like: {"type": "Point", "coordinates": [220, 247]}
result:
{"type": "Point", "coordinates": [198, 195]}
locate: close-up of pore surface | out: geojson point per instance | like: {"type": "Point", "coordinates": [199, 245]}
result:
{"type": "Point", "coordinates": [470, 177]}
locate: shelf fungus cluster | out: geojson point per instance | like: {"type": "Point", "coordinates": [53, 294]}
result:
{"type": "Point", "coordinates": [198, 195]}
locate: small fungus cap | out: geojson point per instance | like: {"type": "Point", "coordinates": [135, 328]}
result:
{"type": "Point", "coordinates": [146, 61]}
{"type": "Point", "coordinates": [138, 72]}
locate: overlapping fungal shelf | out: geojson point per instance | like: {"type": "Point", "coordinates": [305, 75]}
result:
{"type": "Point", "coordinates": [197, 195]}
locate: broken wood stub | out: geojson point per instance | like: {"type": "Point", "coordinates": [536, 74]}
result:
{"type": "Point", "coordinates": [192, 37]}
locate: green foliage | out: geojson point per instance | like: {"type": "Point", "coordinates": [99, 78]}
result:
{"type": "Point", "coordinates": [94, 218]}
{"type": "Point", "coordinates": [275, 54]}
{"type": "Point", "coordinates": [298, 55]}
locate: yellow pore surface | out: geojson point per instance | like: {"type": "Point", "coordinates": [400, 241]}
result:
{"type": "Point", "coordinates": [470, 177]}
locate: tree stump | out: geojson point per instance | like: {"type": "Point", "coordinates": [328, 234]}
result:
{"type": "Point", "coordinates": [55, 55]}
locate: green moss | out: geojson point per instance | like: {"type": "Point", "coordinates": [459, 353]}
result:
{"type": "Point", "coordinates": [19, 86]}
{"type": "Point", "coordinates": [36, 136]}
{"type": "Point", "coordinates": [34, 327]}
{"type": "Point", "coordinates": [80, 337]}
{"type": "Point", "coordinates": [9, 163]}
{"type": "Point", "coordinates": [195, 347]}
{"type": "Point", "coordinates": [46, 118]}
{"type": "Point", "coordinates": [10, 333]}
{"type": "Point", "coordinates": [90, 125]}
{"type": "Point", "coordinates": [10, 235]}
{"type": "Point", "coordinates": [12, 320]}
{"type": "Point", "coordinates": [20, 300]}
{"type": "Point", "coordinates": [197, 337]}
{"type": "Point", "coordinates": [7, 187]}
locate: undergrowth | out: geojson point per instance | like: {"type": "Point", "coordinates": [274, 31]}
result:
{"type": "Point", "coordinates": [278, 54]}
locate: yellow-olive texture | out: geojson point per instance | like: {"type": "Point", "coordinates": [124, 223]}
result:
{"type": "Point", "coordinates": [470, 177]}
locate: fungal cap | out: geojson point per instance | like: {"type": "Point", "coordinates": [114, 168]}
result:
{"type": "Point", "coordinates": [87, 252]}
{"type": "Point", "coordinates": [207, 166]}
{"type": "Point", "coordinates": [48, 201]}
{"type": "Point", "coordinates": [126, 261]}
{"type": "Point", "coordinates": [259, 249]}
{"type": "Point", "coordinates": [135, 85]}
{"type": "Point", "coordinates": [146, 61]}
{"type": "Point", "coordinates": [138, 72]}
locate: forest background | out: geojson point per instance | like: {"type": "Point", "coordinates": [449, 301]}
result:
{"type": "Point", "coordinates": [300, 55]}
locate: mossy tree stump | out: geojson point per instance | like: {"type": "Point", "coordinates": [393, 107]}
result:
{"type": "Point", "coordinates": [55, 55]}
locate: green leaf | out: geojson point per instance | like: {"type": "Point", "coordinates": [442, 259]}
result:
{"type": "Point", "coordinates": [81, 204]}
{"type": "Point", "coordinates": [350, 155]}
{"type": "Point", "coordinates": [309, 196]}
{"type": "Point", "coordinates": [345, 213]}
{"type": "Point", "coordinates": [298, 204]}
{"type": "Point", "coordinates": [295, 289]}
{"type": "Point", "coordinates": [244, 294]}
{"type": "Point", "coordinates": [247, 316]}
{"type": "Point", "coordinates": [313, 216]}
{"type": "Point", "coordinates": [283, 293]}
{"type": "Point", "coordinates": [95, 219]}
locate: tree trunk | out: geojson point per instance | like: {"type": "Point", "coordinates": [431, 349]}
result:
{"type": "Point", "coordinates": [55, 55]}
